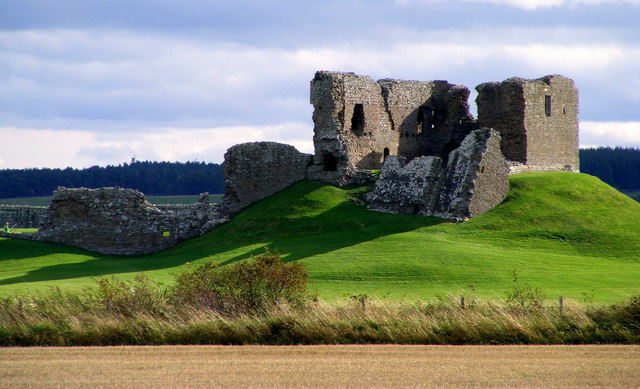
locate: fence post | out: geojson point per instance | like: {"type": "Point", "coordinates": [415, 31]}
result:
{"type": "Point", "coordinates": [462, 302]}
{"type": "Point", "coordinates": [560, 303]}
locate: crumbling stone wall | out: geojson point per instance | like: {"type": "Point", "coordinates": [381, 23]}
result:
{"type": "Point", "coordinates": [476, 178]}
{"type": "Point", "coordinates": [408, 188]}
{"type": "Point", "coordinates": [474, 181]}
{"type": "Point", "coordinates": [121, 221]}
{"type": "Point", "coordinates": [358, 122]}
{"type": "Point", "coordinates": [537, 119]}
{"type": "Point", "coordinates": [253, 171]}
{"type": "Point", "coordinates": [21, 216]}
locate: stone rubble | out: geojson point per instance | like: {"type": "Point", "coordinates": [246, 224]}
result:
{"type": "Point", "coordinates": [474, 181]}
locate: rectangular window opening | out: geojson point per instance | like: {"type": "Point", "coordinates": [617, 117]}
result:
{"type": "Point", "coordinates": [547, 105]}
{"type": "Point", "coordinates": [357, 120]}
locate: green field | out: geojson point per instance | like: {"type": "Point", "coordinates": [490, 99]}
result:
{"type": "Point", "coordinates": [186, 199]}
{"type": "Point", "coordinates": [569, 234]}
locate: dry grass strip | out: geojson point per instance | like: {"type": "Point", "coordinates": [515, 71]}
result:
{"type": "Point", "coordinates": [321, 367]}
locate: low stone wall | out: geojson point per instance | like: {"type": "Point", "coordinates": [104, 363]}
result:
{"type": "Point", "coordinates": [21, 216]}
{"type": "Point", "coordinates": [253, 171]}
{"type": "Point", "coordinates": [121, 221]}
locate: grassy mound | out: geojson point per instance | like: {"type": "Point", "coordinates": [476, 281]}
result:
{"type": "Point", "coordinates": [568, 234]}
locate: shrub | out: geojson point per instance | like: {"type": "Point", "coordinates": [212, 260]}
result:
{"type": "Point", "coordinates": [246, 287]}
{"type": "Point", "coordinates": [525, 296]}
{"type": "Point", "coordinates": [129, 298]}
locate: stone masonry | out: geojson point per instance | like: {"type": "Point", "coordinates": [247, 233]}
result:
{"type": "Point", "coordinates": [537, 119]}
{"type": "Point", "coordinates": [121, 221]}
{"type": "Point", "coordinates": [476, 178]}
{"type": "Point", "coordinates": [474, 181]}
{"type": "Point", "coordinates": [407, 188]}
{"type": "Point", "coordinates": [253, 171]}
{"type": "Point", "coordinates": [21, 216]}
{"type": "Point", "coordinates": [358, 122]}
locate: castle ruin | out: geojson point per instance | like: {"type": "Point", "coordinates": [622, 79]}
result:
{"type": "Point", "coordinates": [434, 158]}
{"type": "Point", "coordinates": [358, 122]}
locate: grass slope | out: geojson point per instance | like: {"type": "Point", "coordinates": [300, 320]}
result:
{"type": "Point", "coordinates": [569, 234]}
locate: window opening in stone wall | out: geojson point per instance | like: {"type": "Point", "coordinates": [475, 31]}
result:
{"type": "Point", "coordinates": [357, 120]}
{"type": "Point", "coordinates": [547, 105]}
{"type": "Point", "coordinates": [564, 110]}
{"type": "Point", "coordinates": [424, 119]}
{"type": "Point", "coordinates": [385, 153]}
{"type": "Point", "coordinates": [330, 162]}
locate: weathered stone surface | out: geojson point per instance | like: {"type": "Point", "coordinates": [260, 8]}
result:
{"type": "Point", "coordinates": [121, 221]}
{"type": "Point", "coordinates": [410, 188]}
{"type": "Point", "coordinates": [537, 119]}
{"type": "Point", "coordinates": [21, 216]}
{"type": "Point", "coordinates": [253, 171]}
{"type": "Point", "coordinates": [358, 122]}
{"type": "Point", "coordinates": [476, 178]}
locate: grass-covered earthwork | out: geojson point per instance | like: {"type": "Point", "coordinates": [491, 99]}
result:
{"type": "Point", "coordinates": [567, 234]}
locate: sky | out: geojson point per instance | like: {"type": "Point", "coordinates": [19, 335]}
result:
{"type": "Point", "coordinates": [95, 82]}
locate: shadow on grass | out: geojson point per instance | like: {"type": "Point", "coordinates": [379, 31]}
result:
{"type": "Point", "coordinates": [337, 227]}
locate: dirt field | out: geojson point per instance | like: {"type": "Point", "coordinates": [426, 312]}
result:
{"type": "Point", "coordinates": [322, 366]}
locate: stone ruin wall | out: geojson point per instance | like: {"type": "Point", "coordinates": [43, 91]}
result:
{"type": "Point", "coordinates": [538, 121]}
{"type": "Point", "coordinates": [256, 170]}
{"type": "Point", "coordinates": [474, 180]}
{"type": "Point", "coordinates": [359, 121]}
{"type": "Point", "coordinates": [121, 221]}
{"type": "Point", "coordinates": [22, 216]}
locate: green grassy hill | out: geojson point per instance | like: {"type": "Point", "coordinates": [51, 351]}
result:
{"type": "Point", "coordinates": [569, 234]}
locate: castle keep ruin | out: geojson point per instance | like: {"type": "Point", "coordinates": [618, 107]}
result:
{"type": "Point", "coordinates": [537, 119]}
{"type": "Point", "coordinates": [358, 121]}
{"type": "Point", "coordinates": [435, 159]}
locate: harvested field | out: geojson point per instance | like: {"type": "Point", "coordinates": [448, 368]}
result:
{"type": "Point", "coordinates": [322, 366]}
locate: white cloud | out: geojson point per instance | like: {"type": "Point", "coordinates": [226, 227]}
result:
{"type": "Point", "coordinates": [26, 148]}
{"type": "Point", "coordinates": [593, 134]}
{"type": "Point", "coordinates": [181, 98]}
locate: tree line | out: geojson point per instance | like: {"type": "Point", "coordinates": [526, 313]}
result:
{"type": "Point", "coordinates": [618, 167]}
{"type": "Point", "coordinates": [151, 178]}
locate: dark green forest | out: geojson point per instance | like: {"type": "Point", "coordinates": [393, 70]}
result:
{"type": "Point", "coordinates": [618, 167]}
{"type": "Point", "coordinates": [151, 178]}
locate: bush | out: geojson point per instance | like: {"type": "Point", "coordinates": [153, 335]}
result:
{"type": "Point", "coordinates": [129, 298]}
{"type": "Point", "coordinates": [525, 296]}
{"type": "Point", "coordinates": [247, 287]}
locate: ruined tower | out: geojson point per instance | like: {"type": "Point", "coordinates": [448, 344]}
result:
{"type": "Point", "coordinates": [537, 119]}
{"type": "Point", "coordinates": [359, 121]}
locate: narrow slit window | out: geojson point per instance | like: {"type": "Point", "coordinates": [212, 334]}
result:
{"type": "Point", "coordinates": [547, 105]}
{"type": "Point", "coordinates": [357, 120]}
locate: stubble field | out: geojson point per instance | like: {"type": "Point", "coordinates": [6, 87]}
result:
{"type": "Point", "coordinates": [322, 366]}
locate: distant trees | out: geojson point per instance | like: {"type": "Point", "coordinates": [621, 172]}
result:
{"type": "Point", "coordinates": [151, 178]}
{"type": "Point", "coordinates": [618, 167]}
